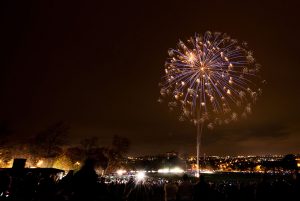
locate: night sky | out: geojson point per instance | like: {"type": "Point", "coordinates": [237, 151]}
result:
{"type": "Point", "coordinates": [96, 65]}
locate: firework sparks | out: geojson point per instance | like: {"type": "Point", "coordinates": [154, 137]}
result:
{"type": "Point", "coordinates": [211, 78]}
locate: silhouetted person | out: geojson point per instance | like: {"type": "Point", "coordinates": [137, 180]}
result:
{"type": "Point", "coordinates": [65, 186]}
{"type": "Point", "coordinates": [296, 186]}
{"type": "Point", "coordinates": [140, 192]}
{"type": "Point", "coordinates": [201, 189]}
{"type": "Point", "coordinates": [185, 190]}
{"type": "Point", "coordinates": [85, 182]}
{"type": "Point", "coordinates": [5, 181]}
{"type": "Point", "coordinates": [102, 189]}
{"type": "Point", "coordinates": [128, 188]}
{"type": "Point", "coordinates": [170, 189]}
{"type": "Point", "coordinates": [263, 189]}
{"type": "Point", "coordinates": [46, 188]}
{"type": "Point", "coordinates": [29, 186]}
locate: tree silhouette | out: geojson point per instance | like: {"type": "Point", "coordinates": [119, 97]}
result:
{"type": "Point", "coordinates": [88, 145]}
{"type": "Point", "coordinates": [120, 147]}
{"type": "Point", "coordinates": [48, 143]}
{"type": "Point", "coordinates": [289, 162]}
{"type": "Point", "coordinates": [76, 154]}
{"type": "Point", "coordinates": [92, 150]}
{"type": "Point", "coordinates": [5, 132]}
{"type": "Point", "coordinates": [89, 149]}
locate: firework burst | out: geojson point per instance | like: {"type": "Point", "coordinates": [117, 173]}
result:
{"type": "Point", "coordinates": [211, 78]}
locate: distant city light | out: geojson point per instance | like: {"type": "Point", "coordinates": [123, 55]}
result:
{"type": "Point", "coordinates": [175, 170]}
{"type": "Point", "coordinates": [140, 176]}
{"type": "Point", "coordinates": [165, 170]}
{"type": "Point", "coordinates": [121, 172]}
{"type": "Point", "coordinates": [207, 171]}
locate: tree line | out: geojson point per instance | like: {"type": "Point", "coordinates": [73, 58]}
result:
{"type": "Point", "coordinates": [52, 147]}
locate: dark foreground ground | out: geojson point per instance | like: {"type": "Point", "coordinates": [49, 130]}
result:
{"type": "Point", "coordinates": [86, 185]}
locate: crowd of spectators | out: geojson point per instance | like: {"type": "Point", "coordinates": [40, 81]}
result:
{"type": "Point", "coordinates": [86, 185]}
